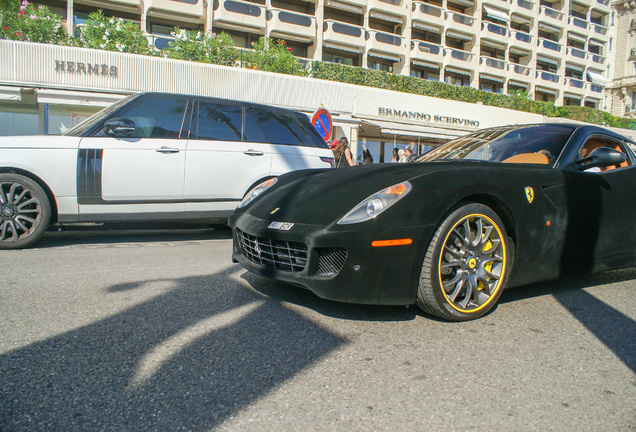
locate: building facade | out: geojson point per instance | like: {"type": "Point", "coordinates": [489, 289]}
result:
{"type": "Point", "coordinates": [622, 89]}
{"type": "Point", "coordinates": [555, 50]}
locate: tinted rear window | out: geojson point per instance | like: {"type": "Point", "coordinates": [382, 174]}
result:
{"type": "Point", "coordinates": [279, 127]}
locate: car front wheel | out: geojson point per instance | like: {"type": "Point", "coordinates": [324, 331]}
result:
{"type": "Point", "coordinates": [25, 211]}
{"type": "Point", "coordinates": [466, 265]}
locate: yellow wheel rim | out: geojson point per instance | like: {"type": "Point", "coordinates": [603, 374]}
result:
{"type": "Point", "coordinates": [472, 263]}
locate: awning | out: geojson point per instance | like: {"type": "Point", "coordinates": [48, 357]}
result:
{"type": "Point", "coordinates": [546, 91]}
{"type": "Point", "coordinates": [457, 71]}
{"type": "Point", "coordinates": [496, 13]}
{"type": "Point", "coordinates": [385, 16]}
{"type": "Point", "coordinates": [520, 51]}
{"type": "Point", "coordinates": [597, 78]}
{"type": "Point", "coordinates": [518, 84]}
{"type": "Point", "coordinates": [574, 68]}
{"type": "Point", "coordinates": [67, 97]}
{"type": "Point", "coordinates": [596, 43]}
{"type": "Point", "coordinates": [520, 19]}
{"type": "Point", "coordinates": [547, 60]}
{"type": "Point", "coordinates": [459, 36]}
{"type": "Point", "coordinates": [491, 78]}
{"type": "Point", "coordinates": [426, 27]}
{"type": "Point", "coordinates": [572, 96]}
{"type": "Point", "coordinates": [425, 64]}
{"type": "Point", "coordinates": [577, 37]}
{"type": "Point", "coordinates": [385, 56]}
{"type": "Point", "coordinates": [549, 28]}
{"type": "Point", "coordinates": [10, 93]}
{"type": "Point", "coordinates": [344, 6]}
{"type": "Point", "coordinates": [346, 48]}
{"type": "Point", "coordinates": [379, 128]}
{"type": "Point", "coordinates": [468, 3]}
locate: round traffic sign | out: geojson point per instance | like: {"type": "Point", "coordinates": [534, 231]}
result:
{"type": "Point", "coordinates": [323, 124]}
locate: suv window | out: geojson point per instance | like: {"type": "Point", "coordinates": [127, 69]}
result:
{"type": "Point", "coordinates": [156, 118]}
{"type": "Point", "coordinates": [278, 127]}
{"type": "Point", "coordinates": [218, 121]}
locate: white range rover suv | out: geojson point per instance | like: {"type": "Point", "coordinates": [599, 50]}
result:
{"type": "Point", "coordinates": [150, 157]}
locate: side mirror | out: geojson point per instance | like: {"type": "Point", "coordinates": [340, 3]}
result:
{"type": "Point", "coordinates": [601, 157]}
{"type": "Point", "coordinates": [119, 127]}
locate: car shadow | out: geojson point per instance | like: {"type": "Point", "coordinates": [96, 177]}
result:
{"type": "Point", "coordinates": [185, 360]}
{"type": "Point", "coordinates": [86, 235]}
{"type": "Point", "coordinates": [611, 327]}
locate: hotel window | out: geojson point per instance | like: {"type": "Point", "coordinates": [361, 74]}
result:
{"type": "Point", "coordinates": [339, 58]}
{"type": "Point", "coordinates": [457, 79]}
{"type": "Point", "coordinates": [425, 73]}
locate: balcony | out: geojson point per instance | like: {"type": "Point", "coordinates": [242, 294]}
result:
{"type": "Point", "coordinates": [344, 36]}
{"type": "Point", "coordinates": [494, 32]}
{"type": "Point", "coordinates": [547, 46]}
{"type": "Point", "coordinates": [298, 26]}
{"type": "Point", "coordinates": [547, 76]}
{"type": "Point", "coordinates": [520, 71]}
{"type": "Point", "coordinates": [170, 9]}
{"type": "Point", "coordinates": [493, 66]}
{"type": "Point", "coordinates": [551, 16]}
{"type": "Point", "coordinates": [521, 38]}
{"type": "Point", "coordinates": [240, 15]}
{"type": "Point", "coordinates": [522, 6]}
{"type": "Point", "coordinates": [393, 7]}
{"type": "Point", "coordinates": [576, 83]}
{"type": "Point", "coordinates": [597, 59]}
{"type": "Point", "coordinates": [459, 21]}
{"type": "Point", "coordinates": [387, 43]}
{"type": "Point", "coordinates": [459, 58]}
{"type": "Point", "coordinates": [577, 24]}
{"type": "Point", "coordinates": [575, 54]}
{"type": "Point", "coordinates": [426, 51]}
{"type": "Point", "coordinates": [426, 13]}
{"type": "Point", "coordinates": [600, 29]}
{"type": "Point", "coordinates": [596, 88]}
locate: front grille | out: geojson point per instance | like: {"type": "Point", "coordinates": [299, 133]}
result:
{"type": "Point", "coordinates": [330, 260]}
{"type": "Point", "coordinates": [277, 254]}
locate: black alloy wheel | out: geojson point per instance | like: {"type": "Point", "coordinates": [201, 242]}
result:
{"type": "Point", "coordinates": [466, 265]}
{"type": "Point", "coordinates": [25, 211]}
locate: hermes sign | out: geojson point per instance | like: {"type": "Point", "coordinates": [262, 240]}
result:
{"type": "Point", "coordinates": [86, 68]}
{"type": "Point", "coordinates": [395, 113]}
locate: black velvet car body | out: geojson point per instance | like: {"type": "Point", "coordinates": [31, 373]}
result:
{"type": "Point", "coordinates": [497, 208]}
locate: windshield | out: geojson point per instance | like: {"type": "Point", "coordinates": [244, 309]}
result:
{"type": "Point", "coordinates": [83, 127]}
{"type": "Point", "coordinates": [536, 144]}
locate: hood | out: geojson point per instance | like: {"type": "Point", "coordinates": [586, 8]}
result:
{"type": "Point", "coordinates": [324, 196]}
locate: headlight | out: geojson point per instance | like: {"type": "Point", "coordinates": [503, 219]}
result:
{"type": "Point", "coordinates": [257, 191]}
{"type": "Point", "coordinates": [376, 204]}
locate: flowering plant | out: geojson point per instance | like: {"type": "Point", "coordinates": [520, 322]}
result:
{"type": "Point", "coordinates": [20, 20]}
{"type": "Point", "coordinates": [113, 34]}
{"type": "Point", "coordinates": [273, 56]}
{"type": "Point", "coordinates": [202, 47]}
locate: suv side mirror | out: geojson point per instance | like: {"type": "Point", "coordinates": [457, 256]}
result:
{"type": "Point", "coordinates": [119, 127]}
{"type": "Point", "coordinates": [601, 157]}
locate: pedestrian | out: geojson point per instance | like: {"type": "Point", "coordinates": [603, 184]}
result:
{"type": "Point", "coordinates": [395, 156]}
{"type": "Point", "coordinates": [343, 154]}
{"type": "Point", "coordinates": [366, 157]}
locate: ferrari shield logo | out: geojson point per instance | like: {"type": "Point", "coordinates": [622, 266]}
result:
{"type": "Point", "coordinates": [530, 194]}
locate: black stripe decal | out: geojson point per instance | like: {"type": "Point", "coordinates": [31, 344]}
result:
{"type": "Point", "coordinates": [89, 176]}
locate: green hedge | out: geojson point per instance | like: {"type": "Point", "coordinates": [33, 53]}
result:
{"type": "Point", "coordinates": [389, 81]}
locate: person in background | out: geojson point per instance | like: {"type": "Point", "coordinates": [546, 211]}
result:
{"type": "Point", "coordinates": [342, 154]}
{"type": "Point", "coordinates": [366, 157]}
{"type": "Point", "coordinates": [400, 156]}
{"type": "Point", "coordinates": [408, 155]}
{"type": "Point", "coordinates": [395, 156]}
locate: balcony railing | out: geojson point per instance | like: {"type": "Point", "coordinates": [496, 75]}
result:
{"type": "Point", "coordinates": [598, 59]}
{"type": "Point", "coordinates": [427, 9]}
{"type": "Point", "coordinates": [461, 55]}
{"type": "Point", "coordinates": [548, 44]}
{"type": "Point", "coordinates": [596, 88]}
{"type": "Point", "coordinates": [493, 63]}
{"type": "Point", "coordinates": [522, 37]}
{"type": "Point", "coordinates": [521, 70]}
{"type": "Point", "coordinates": [466, 20]}
{"type": "Point", "coordinates": [577, 22]}
{"type": "Point", "coordinates": [552, 13]}
{"type": "Point", "coordinates": [575, 52]}
{"type": "Point", "coordinates": [600, 29]}
{"type": "Point", "coordinates": [294, 23]}
{"type": "Point", "coordinates": [547, 76]}
{"type": "Point", "coordinates": [387, 38]}
{"type": "Point", "coordinates": [344, 33]}
{"type": "Point", "coordinates": [525, 4]}
{"type": "Point", "coordinates": [577, 83]}
{"type": "Point", "coordinates": [241, 13]}
{"type": "Point", "coordinates": [494, 28]}
{"type": "Point", "coordinates": [426, 47]}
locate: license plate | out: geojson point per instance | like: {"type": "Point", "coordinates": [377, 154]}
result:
{"type": "Point", "coordinates": [282, 226]}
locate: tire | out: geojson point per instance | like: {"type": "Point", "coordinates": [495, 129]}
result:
{"type": "Point", "coordinates": [463, 274]}
{"type": "Point", "coordinates": [25, 211]}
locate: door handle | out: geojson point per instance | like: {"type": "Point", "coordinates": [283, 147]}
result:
{"type": "Point", "coordinates": [166, 149]}
{"type": "Point", "coordinates": [252, 152]}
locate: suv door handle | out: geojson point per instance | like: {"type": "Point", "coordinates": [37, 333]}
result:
{"type": "Point", "coordinates": [166, 149]}
{"type": "Point", "coordinates": [252, 152]}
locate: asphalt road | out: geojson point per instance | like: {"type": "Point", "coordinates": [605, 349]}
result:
{"type": "Point", "coordinates": [160, 331]}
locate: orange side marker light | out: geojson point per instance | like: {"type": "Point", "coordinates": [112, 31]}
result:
{"type": "Point", "coordinates": [396, 242]}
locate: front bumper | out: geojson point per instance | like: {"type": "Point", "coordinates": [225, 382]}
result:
{"type": "Point", "coordinates": [335, 262]}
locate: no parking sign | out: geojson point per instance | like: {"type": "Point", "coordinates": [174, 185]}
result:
{"type": "Point", "coordinates": [323, 124]}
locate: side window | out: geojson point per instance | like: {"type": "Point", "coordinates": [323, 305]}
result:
{"type": "Point", "coordinates": [632, 147]}
{"type": "Point", "coordinates": [594, 143]}
{"type": "Point", "coordinates": [278, 127]}
{"type": "Point", "coordinates": [218, 121]}
{"type": "Point", "coordinates": [156, 118]}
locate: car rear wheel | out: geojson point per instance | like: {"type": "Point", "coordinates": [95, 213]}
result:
{"type": "Point", "coordinates": [25, 211]}
{"type": "Point", "coordinates": [466, 265]}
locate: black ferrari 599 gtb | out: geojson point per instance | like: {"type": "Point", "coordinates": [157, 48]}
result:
{"type": "Point", "coordinates": [500, 207]}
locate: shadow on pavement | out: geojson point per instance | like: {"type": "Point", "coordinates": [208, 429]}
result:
{"type": "Point", "coordinates": [186, 360]}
